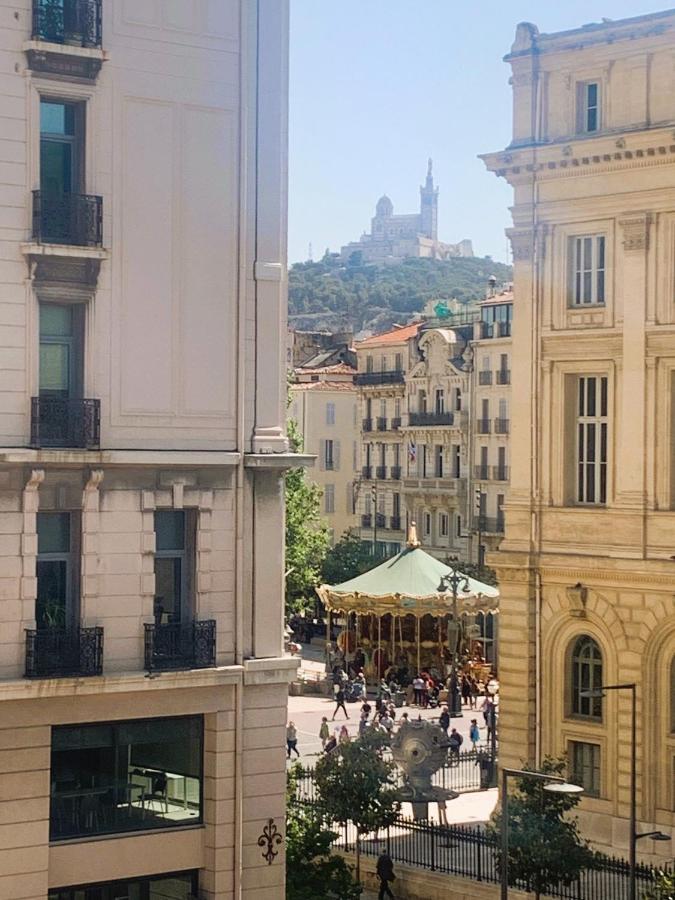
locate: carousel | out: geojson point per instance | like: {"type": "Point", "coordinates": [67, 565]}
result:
{"type": "Point", "coordinates": [412, 614]}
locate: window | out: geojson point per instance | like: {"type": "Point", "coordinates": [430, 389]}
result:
{"type": "Point", "coordinates": [383, 364]}
{"type": "Point", "coordinates": [383, 409]}
{"type": "Point", "coordinates": [397, 455]}
{"type": "Point", "coordinates": [587, 254]}
{"type": "Point", "coordinates": [500, 512]}
{"type": "Point", "coordinates": [174, 567]}
{"type": "Point", "coordinates": [355, 456]}
{"type": "Point", "coordinates": [397, 409]}
{"type": "Point", "coordinates": [422, 401]}
{"type": "Point", "coordinates": [329, 498]}
{"type": "Point", "coordinates": [61, 357]}
{"type": "Point", "coordinates": [125, 776]}
{"type": "Point", "coordinates": [422, 464]}
{"type": "Point", "coordinates": [181, 886]}
{"type": "Point", "coordinates": [592, 437]}
{"type": "Point", "coordinates": [427, 524]}
{"type": "Point", "coordinates": [328, 454]}
{"type": "Point", "coordinates": [398, 365]}
{"type": "Point", "coordinates": [438, 461]}
{"type": "Point", "coordinates": [501, 473]}
{"type": "Point", "coordinates": [57, 570]}
{"type": "Point", "coordinates": [369, 363]}
{"type": "Point", "coordinates": [585, 765]}
{"type": "Point", "coordinates": [586, 662]}
{"type": "Point", "coordinates": [458, 399]}
{"type": "Point", "coordinates": [61, 149]}
{"type": "Point", "coordinates": [456, 460]}
{"type": "Point", "coordinates": [440, 401]}
{"type": "Point", "coordinates": [330, 414]}
{"type": "Point", "coordinates": [396, 505]}
{"type": "Point", "coordinates": [483, 467]}
{"type": "Point", "coordinates": [443, 524]}
{"type": "Point", "coordinates": [588, 106]}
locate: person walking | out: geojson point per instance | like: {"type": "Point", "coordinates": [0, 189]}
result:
{"type": "Point", "coordinates": [344, 735]}
{"type": "Point", "coordinates": [444, 719]}
{"type": "Point", "coordinates": [340, 703]}
{"type": "Point", "coordinates": [419, 688]}
{"type": "Point", "coordinates": [385, 872]}
{"type": "Point", "coordinates": [291, 740]}
{"type": "Point", "coordinates": [466, 690]}
{"type": "Point", "coordinates": [474, 734]}
{"type": "Point", "coordinates": [455, 740]}
{"type": "Point", "coordinates": [324, 732]}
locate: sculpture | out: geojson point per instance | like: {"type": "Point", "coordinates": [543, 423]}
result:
{"type": "Point", "coordinates": [420, 749]}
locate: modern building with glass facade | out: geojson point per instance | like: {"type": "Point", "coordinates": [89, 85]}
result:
{"type": "Point", "coordinates": [142, 448]}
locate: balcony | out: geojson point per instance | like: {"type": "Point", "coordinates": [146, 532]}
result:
{"type": "Point", "coordinates": [180, 645]}
{"type": "Point", "coordinates": [57, 422]}
{"type": "Point", "coordinates": [483, 426]}
{"type": "Point", "coordinates": [489, 525]}
{"type": "Point", "coordinates": [501, 426]}
{"type": "Point", "coordinates": [396, 423]}
{"type": "Point", "coordinates": [381, 472]}
{"type": "Point", "coordinates": [381, 424]}
{"type": "Point", "coordinates": [380, 520]}
{"type": "Point", "coordinates": [72, 219]}
{"type": "Point", "coordinates": [62, 653]}
{"type": "Point", "coordinates": [485, 377]}
{"type": "Point", "coordinates": [419, 419]}
{"type": "Point", "coordinates": [500, 473]}
{"type": "Point", "coordinates": [368, 379]}
{"type": "Point", "coordinates": [395, 473]}
{"type": "Point", "coordinates": [395, 523]}
{"type": "Point", "coordinates": [503, 376]}
{"type": "Point", "coordinates": [73, 22]}
{"type": "Point", "coordinates": [367, 472]}
{"type": "Point", "coordinates": [367, 425]}
{"type": "Point", "coordinates": [367, 521]}
{"type": "Point", "coordinates": [482, 473]}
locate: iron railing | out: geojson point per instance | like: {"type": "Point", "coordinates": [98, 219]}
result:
{"type": "Point", "coordinates": [396, 423]}
{"type": "Point", "coordinates": [380, 520]}
{"type": "Point", "coordinates": [180, 645]}
{"type": "Point", "coordinates": [367, 425]}
{"type": "Point", "coordinates": [369, 378]}
{"type": "Point", "coordinates": [500, 473]}
{"type": "Point", "coordinates": [431, 418]}
{"type": "Point", "coordinates": [485, 376]}
{"type": "Point", "coordinates": [490, 525]}
{"type": "Point", "coordinates": [395, 473]}
{"type": "Point", "coordinates": [367, 472]}
{"type": "Point", "coordinates": [366, 521]}
{"type": "Point", "coordinates": [59, 422]}
{"type": "Point", "coordinates": [503, 376]}
{"type": "Point", "coordinates": [483, 426]}
{"type": "Point", "coordinates": [76, 22]}
{"type": "Point", "coordinates": [395, 523]}
{"type": "Point", "coordinates": [501, 426]}
{"type": "Point", "coordinates": [381, 472]}
{"type": "Point", "coordinates": [381, 423]}
{"type": "Point", "coordinates": [75, 219]}
{"type": "Point", "coordinates": [63, 652]}
{"type": "Point", "coordinates": [482, 473]}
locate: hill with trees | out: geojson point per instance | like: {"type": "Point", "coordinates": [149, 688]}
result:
{"type": "Point", "coordinates": [332, 295]}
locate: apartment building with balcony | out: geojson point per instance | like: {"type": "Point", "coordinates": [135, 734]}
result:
{"type": "Point", "coordinates": [586, 564]}
{"type": "Point", "coordinates": [142, 448]}
{"type": "Point", "coordinates": [490, 394]}
{"type": "Point", "coordinates": [325, 406]}
{"type": "Point", "coordinates": [383, 363]}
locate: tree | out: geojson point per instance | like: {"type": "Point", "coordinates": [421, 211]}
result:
{"type": "Point", "coordinates": [545, 847]}
{"type": "Point", "coordinates": [311, 870]}
{"type": "Point", "coordinates": [355, 784]}
{"type": "Point", "coordinates": [306, 537]}
{"type": "Point", "coordinates": [663, 887]}
{"type": "Point", "coordinates": [348, 558]}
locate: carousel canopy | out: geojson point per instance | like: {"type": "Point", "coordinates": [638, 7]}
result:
{"type": "Point", "coordinates": [414, 583]}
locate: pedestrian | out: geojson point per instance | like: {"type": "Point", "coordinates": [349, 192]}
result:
{"type": "Point", "coordinates": [387, 722]}
{"type": "Point", "coordinates": [444, 719]}
{"type": "Point", "coordinates": [363, 724]}
{"type": "Point", "coordinates": [418, 690]}
{"type": "Point", "coordinates": [385, 872]}
{"type": "Point", "coordinates": [475, 691]}
{"type": "Point", "coordinates": [344, 735]}
{"type": "Point", "coordinates": [466, 690]}
{"type": "Point", "coordinates": [365, 709]}
{"type": "Point", "coordinates": [474, 733]}
{"type": "Point", "coordinates": [331, 744]}
{"type": "Point", "coordinates": [324, 732]}
{"type": "Point", "coordinates": [442, 813]}
{"type": "Point", "coordinates": [405, 718]}
{"type": "Point", "coordinates": [291, 740]}
{"type": "Point", "coordinates": [455, 740]}
{"type": "Point", "coordinates": [340, 703]}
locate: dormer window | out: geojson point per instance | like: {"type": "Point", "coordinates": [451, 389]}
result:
{"type": "Point", "coordinates": [588, 105]}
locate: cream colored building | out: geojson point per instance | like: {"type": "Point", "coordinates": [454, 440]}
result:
{"type": "Point", "coordinates": [142, 447]}
{"type": "Point", "coordinates": [324, 403]}
{"type": "Point", "coordinates": [586, 568]}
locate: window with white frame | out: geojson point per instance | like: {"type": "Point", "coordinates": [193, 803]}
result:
{"type": "Point", "coordinates": [592, 439]}
{"type": "Point", "coordinates": [588, 107]}
{"type": "Point", "coordinates": [440, 401]}
{"type": "Point", "coordinates": [443, 524]}
{"type": "Point", "coordinates": [330, 414]}
{"type": "Point", "coordinates": [329, 498]}
{"type": "Point", "coordinates": [587, 255]}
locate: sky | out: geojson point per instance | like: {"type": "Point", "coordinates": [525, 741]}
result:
{"type": "Point", "coordinates": [378, 86]}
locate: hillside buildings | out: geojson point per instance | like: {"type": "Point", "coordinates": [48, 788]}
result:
{"type": "Point", "coordinates": [586, 565]}
{"type": "Point", "coordinates": [142, 447]}
{"type": "Point", "coordinates": [395, 237]}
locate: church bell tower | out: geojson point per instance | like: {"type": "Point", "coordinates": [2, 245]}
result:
{"type": "Point", "coordinates": [429, 207]}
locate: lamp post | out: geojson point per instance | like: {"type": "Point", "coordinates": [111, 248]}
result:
{"type": "Point", "coordinates": [554, 784]}
{"type": "Point", "coordinates": [492, 688]}
{"type": "Point", "coordinates": [453, 582]}
{"type": "Point", "coordinates": [634, 837]}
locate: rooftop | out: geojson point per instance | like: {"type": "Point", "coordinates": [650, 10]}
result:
{"type": "Point", "coordinates": [397, 335]}
{"type": "Point", "coordinates": [341, 386]}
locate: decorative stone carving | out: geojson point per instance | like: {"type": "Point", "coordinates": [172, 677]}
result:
{"type": "Point", "coordinates": [522, 243]}
{"type": "Point", "coordinates": [636, 232]}
{"type": "Point", "coordinates": [420, 748]}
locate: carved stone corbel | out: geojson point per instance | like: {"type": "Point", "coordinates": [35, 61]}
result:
{"type": "Point", "coordinates": [636, 231]}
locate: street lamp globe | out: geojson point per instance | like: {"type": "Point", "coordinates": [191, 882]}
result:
{"type": "Point", "coordinates": [563, 787]}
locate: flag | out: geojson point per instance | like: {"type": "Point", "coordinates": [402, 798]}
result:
{"type": "Point", "coordinates": [412, 451]}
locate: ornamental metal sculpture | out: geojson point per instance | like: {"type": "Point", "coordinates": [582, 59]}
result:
{"type": "Point", "coordinates": [270, 838]}
{"type": "Point", "coordinates": [420, 748]}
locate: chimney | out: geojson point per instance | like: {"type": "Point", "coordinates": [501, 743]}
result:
{"type": "Point", "coordinates": [492, 287]}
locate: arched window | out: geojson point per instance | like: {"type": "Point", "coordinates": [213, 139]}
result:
{"type": "Point", "coordinates": [586, 661]}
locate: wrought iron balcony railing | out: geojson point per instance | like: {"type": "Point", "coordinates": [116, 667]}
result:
{"type": "Point", "coordinates": [396, 423]}
{"type": "Point", "coordinates": [367, 472]}
{"type": "Point", "coordinates": [503, 376]}
{"type": "Point", "coordinates": [370, 378]}
{"type": "Point", "coordinates": [367, 425]}
{"type": "Point", "coordinates": [500, 473]}
{"type": "Point", "coordinates": [395, 523]}
{"type": "Point", "coordinates": [381, 472]}
{"type": "Point", "coordinates": [395, 473]}
{"type": "Point", "coordinates": [381, 423]}
{"type": "Point", "coordinates": [180, 645]}
{"type": "Point", "coordinates": [58, 422]}
{"type": "Point", "coordinates": [74, 219]}
{"type": "Point", "coordinates": [381, 520]}
{"type": "Point", "coordinates": [367, 521]}
{"type": "Point", "coordinates": [62, 652]}
{"type": "Point", "coordinates": [501, 426]}
{"type": "Point", "coordinates": [482, 473]}
{"type": "Point", "coordinates": [75, 22]}
{"type": "Point", "coordinates": [483, 426]}
{"type": "Point", "coordinates": [490, 525]}
{"type": "Point", "coordinates": [485, 376]}
{"type": "Point", "coordinates": [431, 418]}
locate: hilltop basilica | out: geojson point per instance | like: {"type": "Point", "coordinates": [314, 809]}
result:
{"type": "Point", "coordinates": [400, 237]}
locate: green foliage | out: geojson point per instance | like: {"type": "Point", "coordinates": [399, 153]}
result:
{"type": "Point", "coordinates": [663, 887]}
{"type": "Point", "coordinates": [545, 847]}
{"type": "Point", "coordinates": [330, 294]}
{"type": "Point", "coordinates": [307, 537]}
{"type": "Point", "coordinates": [480, 573]}
{"type": "Point", "coordinates": [311, 870]}
{"type": "Point", "coordinates": [348, 558]}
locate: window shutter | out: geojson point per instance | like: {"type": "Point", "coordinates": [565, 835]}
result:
{"type": "Point", "coordinates": [322, 455]}
{"type": "Point", "coordinates": [336, 456]}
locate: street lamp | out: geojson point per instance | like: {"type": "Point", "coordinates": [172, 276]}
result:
{"type": "Point", "coordinates": [492, 688]}
{"type": "Point", "coordinates": [634, 837]}
{"type": "Point", "coordinates": [453, 582]}
{"type": "Point", "coordinates": [554, 784]}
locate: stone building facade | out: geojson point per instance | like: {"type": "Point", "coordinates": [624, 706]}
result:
{"type": "Point", "coordinates": [142, 446]}
{"type": "Point", "coordinates": [586, 566]}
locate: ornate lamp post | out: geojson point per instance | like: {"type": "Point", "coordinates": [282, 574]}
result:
{"type": "Point", "coordinates": [454, 582]}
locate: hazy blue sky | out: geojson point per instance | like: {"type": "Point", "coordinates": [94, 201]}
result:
{"type": "Point", "coordinates": [377, 86]}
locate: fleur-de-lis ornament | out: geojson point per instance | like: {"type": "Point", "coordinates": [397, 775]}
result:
{"type": "Point", "coordinates": [270, 838]}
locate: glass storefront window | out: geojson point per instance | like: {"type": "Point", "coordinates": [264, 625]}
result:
{"type": "Point", "coordinates": [125, 776]}
{"type": "Point", "coordinates": [180, 886]}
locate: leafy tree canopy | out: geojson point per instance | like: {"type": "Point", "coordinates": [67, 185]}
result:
{"type": "Point", "coordinates": [350, 557]}
{"type": "Point", "coordinates": [663, 887]}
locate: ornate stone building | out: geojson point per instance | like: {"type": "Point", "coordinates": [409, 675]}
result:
{"type": "Point", "coordinates": [586, 567]}
{"type": "Point", "coordinates": [396, 237]}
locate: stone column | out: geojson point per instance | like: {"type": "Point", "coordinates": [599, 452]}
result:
{"type": "Point", "coordinates": [29, 542]}
{"type": "Point", "coordinates": [268, 563]}
{"type": "Point", "coordinates": [90, 543]}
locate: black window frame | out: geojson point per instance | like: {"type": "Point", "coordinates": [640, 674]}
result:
{"type": "Point", "coordinates": [580, 768]}
{"type": "Point", "coordinates": [144, 881]}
